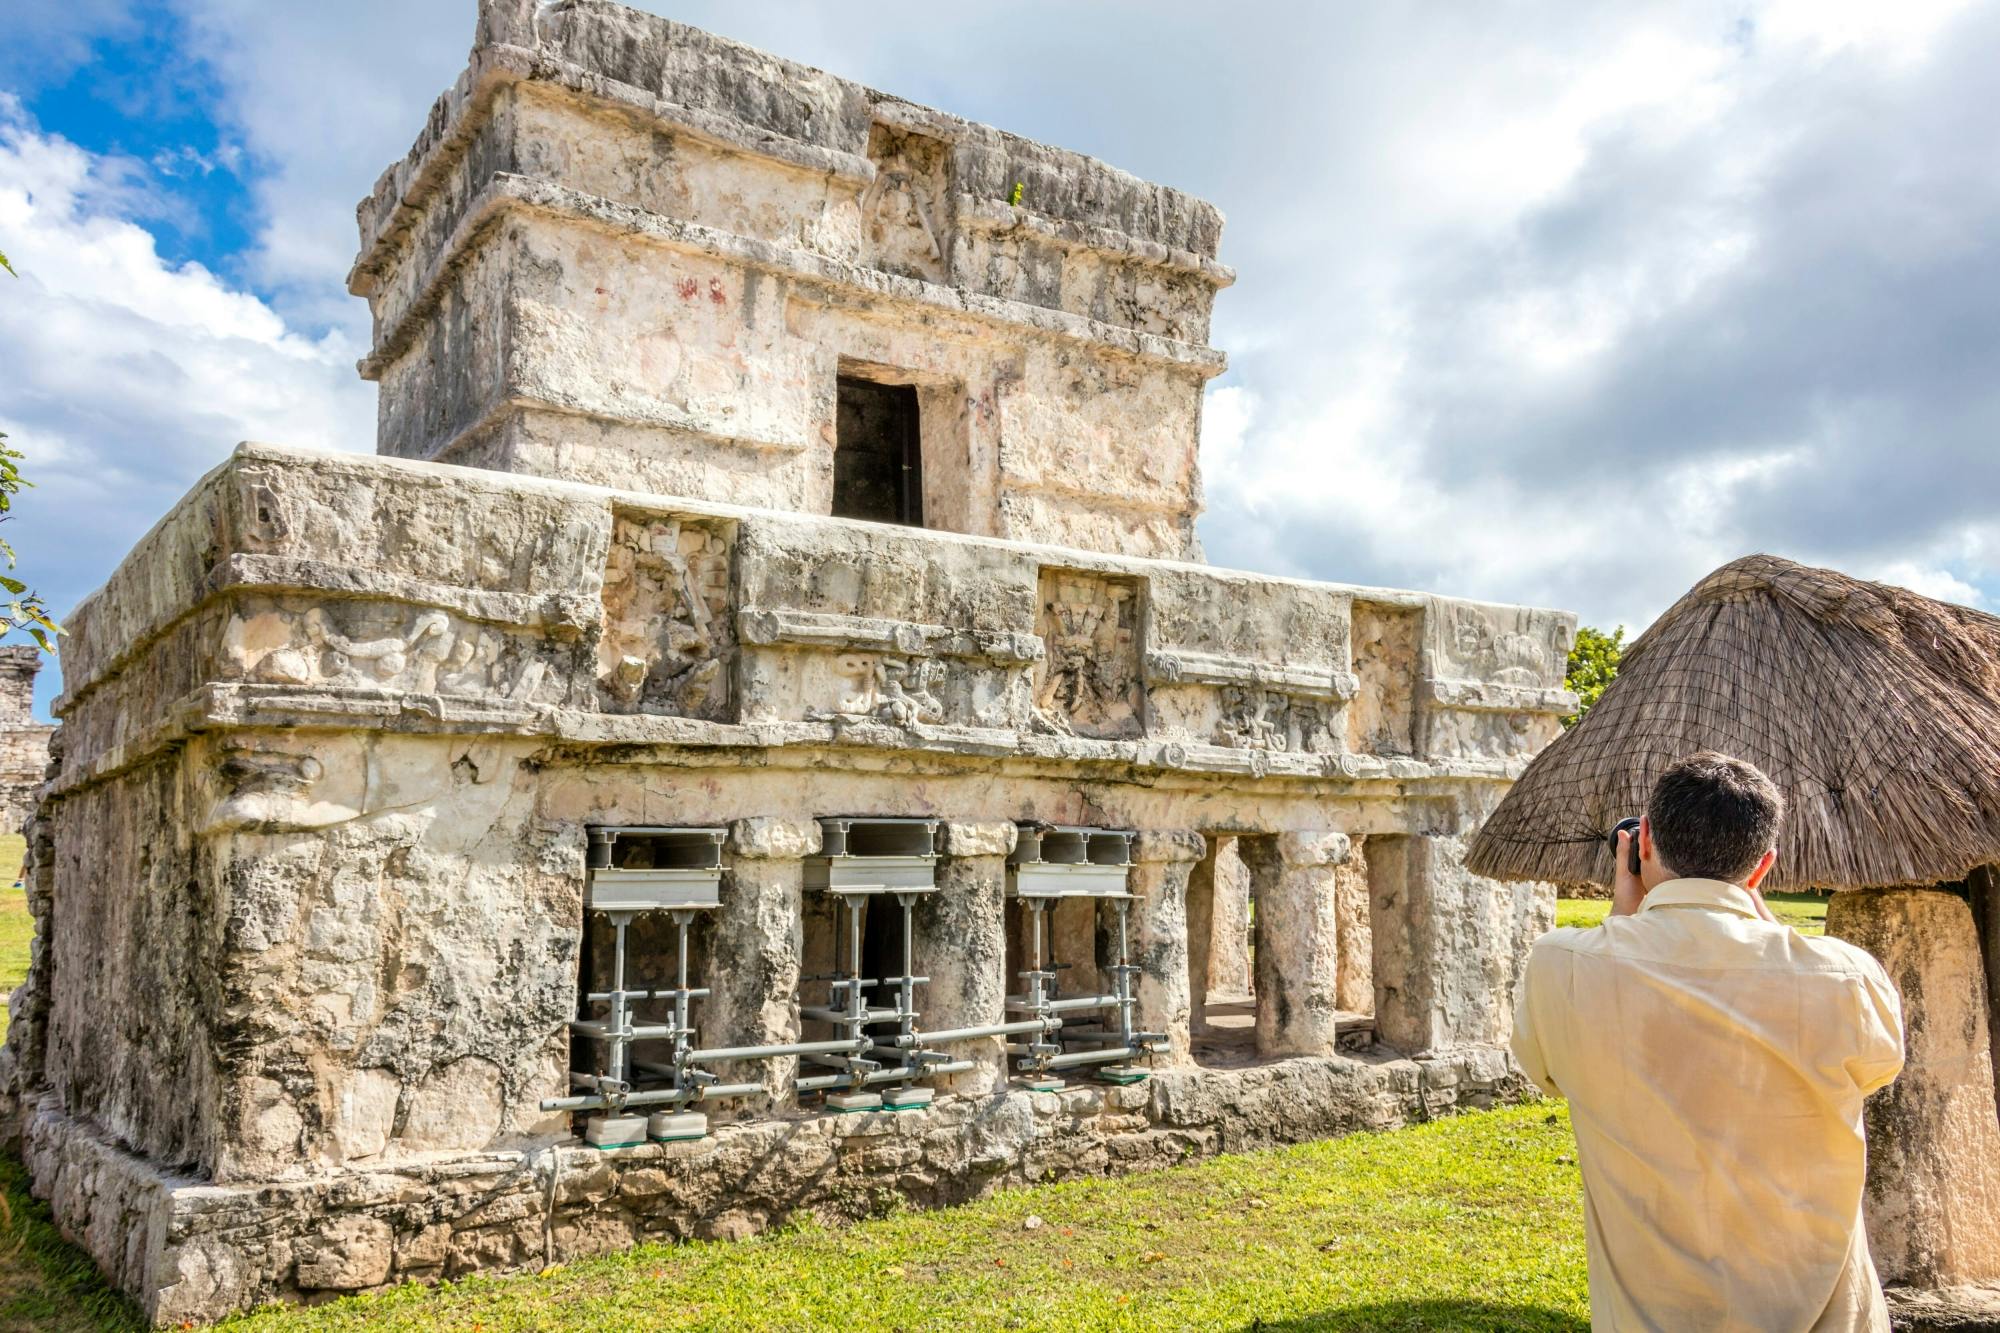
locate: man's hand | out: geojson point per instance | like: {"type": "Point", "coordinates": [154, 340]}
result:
{"type": "Point", "coordinates": [1626, 890]}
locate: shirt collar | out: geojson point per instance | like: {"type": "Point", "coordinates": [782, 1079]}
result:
{"type": "Point", "coordinates": [1700, 893]}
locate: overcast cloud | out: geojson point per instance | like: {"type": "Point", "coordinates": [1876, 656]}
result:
{"type": "Point", "coordinates": [1552, 303]}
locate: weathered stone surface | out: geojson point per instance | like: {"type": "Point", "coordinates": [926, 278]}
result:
{"type": "Point", "coordinates": [1354, 937]}
{"type": "Point", "coordinates": [1448, 945]}
{"type": "Point", "coordinates": [963, 933]}
{"type": "Point", "coordinates": [1297, 960]}
{"type": "Point", "coordinates": [1933, 1201]}
{"type": "Point", "coordinates": [1159, 936]}
{"type": "Point", "coordinates": [347, 1254]}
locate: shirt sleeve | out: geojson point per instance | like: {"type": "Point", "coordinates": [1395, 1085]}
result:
{"type": "Point", "coordinates": [1879, 1057]}
{"type": "Point", "coordinates": [1526, 1042]}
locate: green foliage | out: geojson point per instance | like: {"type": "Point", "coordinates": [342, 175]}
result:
{"type": "Point", "coordinates": [1593, 665]}
{"type": "Point", "coordinates": [1014, 195]}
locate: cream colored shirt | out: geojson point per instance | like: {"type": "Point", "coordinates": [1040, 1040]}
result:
{"type": "Point", "coordinates": [1715, 1065]}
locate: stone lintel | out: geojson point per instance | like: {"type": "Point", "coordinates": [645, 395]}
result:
{"type": "Point", "coordinates": [1171, 845]}
{"type": "Point", "coordinates": [764, 837]}
{"type": "Point", "coordinates": [980, 838]}
{"type": "Point", "coordinates": [1313, 849]}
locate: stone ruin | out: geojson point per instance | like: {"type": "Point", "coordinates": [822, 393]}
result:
{"type": "Point", "coordinates": [760, 738]}
{"type": "Point", "coordinates": [24, 742]}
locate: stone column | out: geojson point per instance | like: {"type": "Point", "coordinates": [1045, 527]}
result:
{"type": "Point", "coordinates": [755, 952]}
{"type": "Point", "coordinates": [1297, 940]}
{"type": "Point", "coordinates": [1448, 945]}
{"type": "Point", "coordinates": [1229, 941]}
{"type": "Point", "coordinates": [962, 947]}
{"type": "Point", "coordinates": [1933, 1201]}
{"type": "Point", "coordinates": [1159, 938]}
{"type": "Point", "coordinates": [1202, 888]}
{"type": "Point", "coordinates": [1983, 893]}
{"type": "Point", "coordinates": [1354, 973]}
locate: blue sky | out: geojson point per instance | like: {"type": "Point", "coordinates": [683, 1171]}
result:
{"type": "Point", "coordinates": [1553, 303]}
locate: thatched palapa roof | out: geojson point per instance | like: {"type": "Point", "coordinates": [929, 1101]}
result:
{"type": "Point", "coordinates": [1877, 711]}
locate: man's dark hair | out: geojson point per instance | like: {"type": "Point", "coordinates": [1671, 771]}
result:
{"type": "Point", "coordinates": [1714, 817]}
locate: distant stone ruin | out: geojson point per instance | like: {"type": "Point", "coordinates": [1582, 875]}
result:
{"type": "Point", "coordinates": [24, 742]}
{"type": "Point", "coordinates": [794, 760]}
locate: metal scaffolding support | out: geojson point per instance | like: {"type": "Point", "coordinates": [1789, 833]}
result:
{"type": "Point", "coordinates": [867, 865]}
{"type": "Point", "coordinates": [1053, 864]}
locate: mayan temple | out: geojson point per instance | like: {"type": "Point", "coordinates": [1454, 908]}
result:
{"type": "Point", "coordinates": [758, 738]}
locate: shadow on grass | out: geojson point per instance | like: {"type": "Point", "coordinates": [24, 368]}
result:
{"type": "Point", "coordinates": [1427, 1317]}
{"type": "Point", "coordinates": [45, 1282]}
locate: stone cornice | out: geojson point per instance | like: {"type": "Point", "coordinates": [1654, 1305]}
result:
{"type": "Point", "coordinates": [506, 192]}
{"type": "Point", "coordinates": [391, 210]}
{"type": "Point", "coordinates": [221, 708]}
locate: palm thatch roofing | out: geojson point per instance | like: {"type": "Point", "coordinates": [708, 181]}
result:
{"type": "Point", "coordinates": [1875, 710]}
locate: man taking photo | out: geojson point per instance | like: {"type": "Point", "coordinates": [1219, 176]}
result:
{"type": "Point", "coordinates": [1715, 1063]}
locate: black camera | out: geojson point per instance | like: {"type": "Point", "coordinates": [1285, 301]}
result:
{"type": "Point", "coordinates": [1629, 823]}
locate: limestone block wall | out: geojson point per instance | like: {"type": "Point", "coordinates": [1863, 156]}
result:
{"type": "Point", "coordinates": [335, 731]}
{"type": "Point", "coordinates": [629, 252]}
{"type": "Point", "coordinates": [24, 742]}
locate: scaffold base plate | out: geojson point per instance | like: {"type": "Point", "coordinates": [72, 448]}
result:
{"type": "Point", "coordinates": [676, 1126]}
{"type": "Point", "coordinates": [615, 1131]}
{"type": "Point", "coordinates": [1123, 1076]}
{"type": "Point", "coordinates": [853, 1101]}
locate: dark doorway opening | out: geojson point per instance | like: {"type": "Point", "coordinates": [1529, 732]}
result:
{"type": "Point", "coordinates": [877, 454]}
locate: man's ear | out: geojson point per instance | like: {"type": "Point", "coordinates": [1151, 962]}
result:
{"type": "Point", "coordinates": [1646, 849]}
{"type": "Point", "coordinates": [1764, 865]}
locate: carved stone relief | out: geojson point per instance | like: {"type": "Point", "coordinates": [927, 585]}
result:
{"type": "Point", "coordinates": [414, 650]}
{"type": "Point", "coordinates": [904, 218]}
{"type": "Point", "coordinates": [261, 517]}
{"type": "Point", "coordinates": [1257, 718]}
{"type": "Point", "coordinates": [1451, 733]}
{"type": "Point", "coordinates": [902, 691]}
{"type": "Point", "coordinates": [1509, 646]}
{"type": "Point", "coordinates": [1088, 682]}
{"type": "Point", "coordinates": [667, 634]}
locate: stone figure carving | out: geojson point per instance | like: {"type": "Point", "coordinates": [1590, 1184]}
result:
{"type": "Point", "coordinates": [666, 626]}
{"type": "Point", "coordinates": [1451, 733]}
{"type": "Point", "coordinates": [902, 208]}
{"type": "Point", "coordinates": [1089, 682]}
{"type": "Point", "coordinates": [1526, 654]}
{"type": "Point", "coordinates": [262, 509]}
{"type": "Point", "coordinates": [434, 653]}
{"type": "Point", "coordinates": [1253, 718]}
{"type": "Point", "coordinates": [901, 691]}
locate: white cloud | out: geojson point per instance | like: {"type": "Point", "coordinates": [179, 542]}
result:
{"type": "Point", "coordinates": [128, 376]}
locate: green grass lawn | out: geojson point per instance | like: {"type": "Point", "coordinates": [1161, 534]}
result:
{"type": "Point", "coordinates": [1471, 1222]}
{"type": "Point", "coordinates": [1803, 912]}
